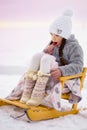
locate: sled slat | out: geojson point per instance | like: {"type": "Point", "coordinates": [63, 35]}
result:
{"type": "Point", "coordinates": [16, 103]}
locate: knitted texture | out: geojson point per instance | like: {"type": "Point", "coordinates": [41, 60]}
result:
{"type": "Point", "coordinates": [29, 84]}
{"type": "Point", "coordinates": [31, 74]}
{"type": "Point", "coordinates": [38, 91]}
{"type": "Point", "coordinates": [62, 26]}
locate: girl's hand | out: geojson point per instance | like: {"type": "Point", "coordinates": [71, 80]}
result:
{"type": "Point", "coordinates": [56, 74]}
{"type": "Point", "coordinates": [49, 49]}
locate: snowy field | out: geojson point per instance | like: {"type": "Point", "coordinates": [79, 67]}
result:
{"type": "Point", "coordinates": [71, 122]}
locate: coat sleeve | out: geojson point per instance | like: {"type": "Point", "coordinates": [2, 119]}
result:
{"type": "Point", "coordinates": [75, 62]}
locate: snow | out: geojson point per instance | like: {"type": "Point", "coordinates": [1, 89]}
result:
{"type": "Point", "coordinates": [72, 122]}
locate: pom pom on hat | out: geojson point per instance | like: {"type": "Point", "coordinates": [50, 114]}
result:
{"type": "Point", "coordinates": [62, 26]}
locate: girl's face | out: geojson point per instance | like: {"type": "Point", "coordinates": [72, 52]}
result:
{"type": "Point", "coordinates": [56, 38]}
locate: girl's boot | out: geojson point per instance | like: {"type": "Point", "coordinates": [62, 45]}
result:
{"type": "Point", "coordinates": [38, 92]}
{"type": "Point", "coordinates": [30, 79]}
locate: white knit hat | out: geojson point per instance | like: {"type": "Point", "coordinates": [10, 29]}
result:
{"type": "Point", "coordinates": [62, 26]}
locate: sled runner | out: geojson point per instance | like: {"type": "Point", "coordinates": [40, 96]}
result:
{"type": "Point", "coordinates": [44, 113]}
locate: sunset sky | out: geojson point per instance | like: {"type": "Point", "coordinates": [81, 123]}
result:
{"type": "Point", "coordinates": [27, 21]}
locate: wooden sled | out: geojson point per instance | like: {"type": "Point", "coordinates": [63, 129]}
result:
{"type": "Point", "coordinates": [43, 113]}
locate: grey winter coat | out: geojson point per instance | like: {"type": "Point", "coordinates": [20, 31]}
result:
{"type": "Point", "coordinates": [73, 54]}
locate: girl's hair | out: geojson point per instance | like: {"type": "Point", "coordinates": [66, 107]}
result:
{"type": "Point", "coordinates": [62, 60]}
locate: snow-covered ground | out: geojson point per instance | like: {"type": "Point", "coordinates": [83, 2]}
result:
{"type": "Point", "coordinates": [72, 122]}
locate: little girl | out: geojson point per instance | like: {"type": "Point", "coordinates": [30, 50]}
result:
{"type": "Point", "coordinates": [63, 57]}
